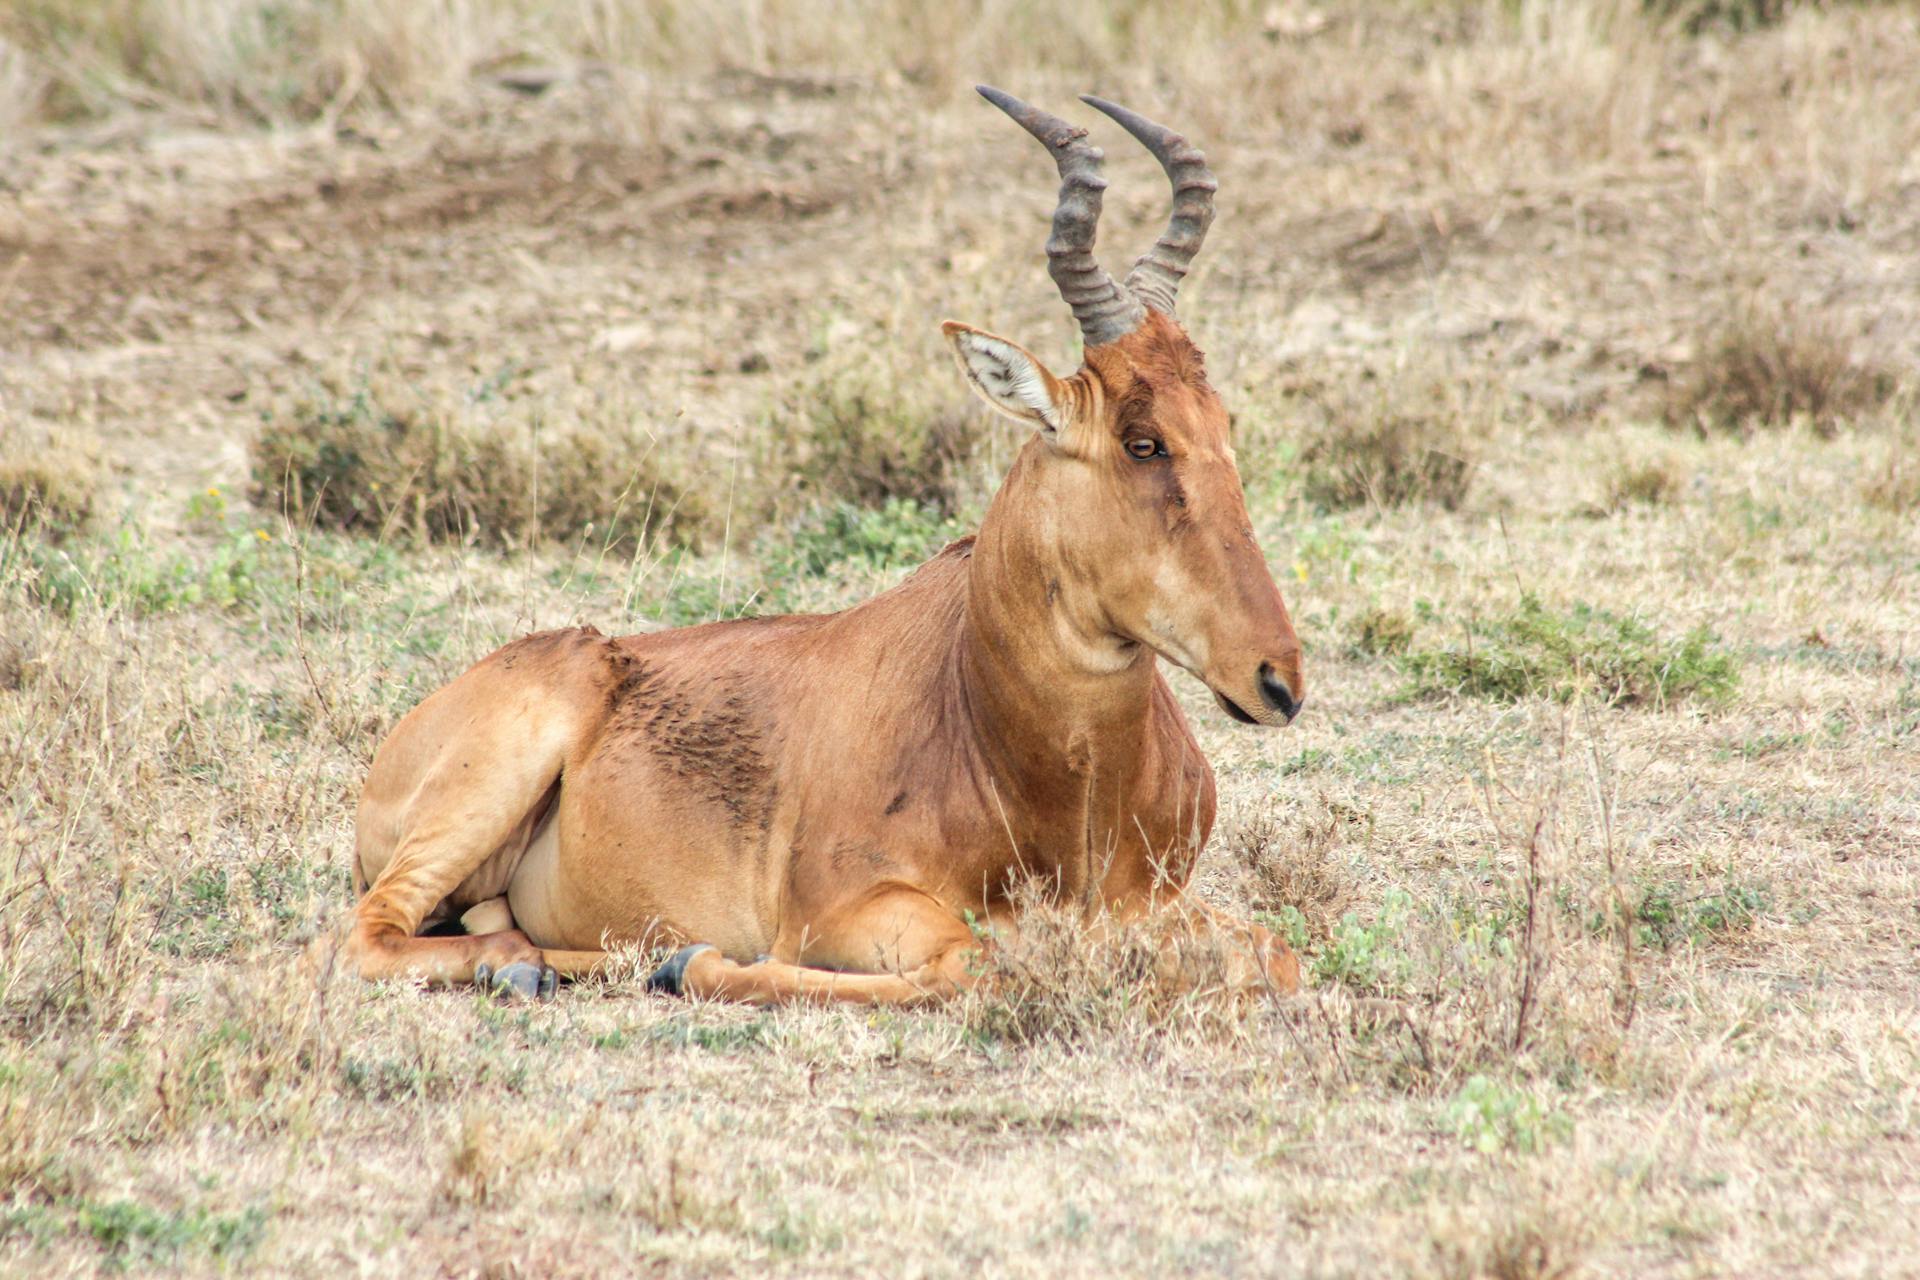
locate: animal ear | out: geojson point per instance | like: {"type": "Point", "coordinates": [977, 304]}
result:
{"type": "Point", "coordinates": [1009, 377]}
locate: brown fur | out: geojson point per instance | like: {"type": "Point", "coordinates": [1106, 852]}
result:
{"type": "Point", "coordinates": [824, 799]}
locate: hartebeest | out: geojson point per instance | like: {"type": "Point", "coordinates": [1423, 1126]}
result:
{"type": "Point", "coordinates": [812, 807]}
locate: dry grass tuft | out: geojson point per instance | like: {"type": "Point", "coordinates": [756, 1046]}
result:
{"type": "Point", "coordinates": [1292, 868]}
{"type": "Point", "coordinates": [49, 481]}
{"type": "Point", "coordinates": [1645, 481]}
{"type": "Point", "coordinates": [440, 467]}
{"type": "Point", "coordinates": [1773, 368]}
{"type": "Point", "coordinates": [1387, 440]}
{"type": "Point", "coordinates": [1062, 981]}
{"type": "Point", "coordinates": [1892, 482]}
{"type": "Point", "coordinates": [1528, 1242]}
{"type": "Point", "coordinates": [1382, 632]}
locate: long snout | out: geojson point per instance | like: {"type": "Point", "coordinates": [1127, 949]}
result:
{"type": "Point", "coordinates": [1255, 669]}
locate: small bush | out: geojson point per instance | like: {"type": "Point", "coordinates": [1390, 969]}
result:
{"type": "Point", "coordinates": [1366, 955]}
{"type": "Point", "coordinates": [1642, 482]}
{"type": "Point", "coordinates": [865, 438]}
{"type": "Point", "coordinates": [436, 469]}
{"type": "Point", "coordinates": [1382, 631]}
{"type": "Point", "coordinates": [1772, 369]}
{"type": "Point", "coordinates": [1697, 16]}
{"type": "Point", "coordinates": [125, 570]}
{"type": "Point", "coordinates": [1383, 441]}
{"type": "Point", "coordinates": [49, 481]}
{"type": "Point", "coordinates": [1534, 651]}
{"type": "Point", "coordinates": [1667, 915]}
{"type": "Point", "coordinates": [1490, 1118]}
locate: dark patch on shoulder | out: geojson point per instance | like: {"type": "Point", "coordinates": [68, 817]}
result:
{"type": "Point", "coordinates": [718, 745]}
{"type": "Point", "coordinates": [896, 804]}
{"type": "Point", "coordinates": [629, 677]}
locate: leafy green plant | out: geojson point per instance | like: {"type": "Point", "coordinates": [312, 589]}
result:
{"type": "Point", "coordinates": [1490, 1117]}
{"type": "Point", "coordinates": [1666, 915]}
{"type": "Point", "coordinates": [1366, 955]}
{"type": "Point", "coordinates": [125, 570]}
{"type": "Point", "coordinates": [131, 1231]}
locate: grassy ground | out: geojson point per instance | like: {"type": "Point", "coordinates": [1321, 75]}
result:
{"type": "Point", "coordinates": [1569, 349]}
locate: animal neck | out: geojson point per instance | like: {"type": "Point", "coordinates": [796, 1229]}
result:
{"type": "Point", "coordinates": [1049, 684]}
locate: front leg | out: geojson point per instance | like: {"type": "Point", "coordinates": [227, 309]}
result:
{"type": "Point", "coordinates": [895, 945]}
{"type": "Point", "coordinates": [1200, 946]}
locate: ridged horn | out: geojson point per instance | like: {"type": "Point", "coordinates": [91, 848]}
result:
{"type": "Point", "coordinates": [1105, 310]}
{"type": "Point", "coordinates": [1155, 278]}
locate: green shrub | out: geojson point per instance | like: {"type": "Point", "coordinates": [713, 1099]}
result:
{"type": "Point", "coordinates": [1536, 651]}
{"type": "Point", "coordinates": [125, 570]}
{"type": "Point", "coordinates": [1366, 955]}
{"type": "Point", "coordinates": [1667, 915]}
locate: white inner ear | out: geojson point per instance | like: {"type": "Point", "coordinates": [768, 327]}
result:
{"type": "Point", "coordinates": [1009, 379]}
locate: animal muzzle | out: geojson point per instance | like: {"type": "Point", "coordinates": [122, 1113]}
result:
{"type": "Point", "coordinates": [1271, 698]}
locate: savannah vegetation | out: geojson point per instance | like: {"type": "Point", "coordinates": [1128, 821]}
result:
{"type": "Point", "coordinates": [1570, 347]}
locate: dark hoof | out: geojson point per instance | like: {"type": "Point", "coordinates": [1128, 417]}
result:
{"type": "Point", "coordinates": [670, 976]}
{"type": "Point", "coordinates": [520, 980]}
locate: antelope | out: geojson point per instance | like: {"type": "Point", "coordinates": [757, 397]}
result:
{"type": "Point", "coordinates": [825, 808]}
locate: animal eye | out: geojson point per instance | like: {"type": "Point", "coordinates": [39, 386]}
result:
{"type": "Point", "coordinates": [1144, 447]}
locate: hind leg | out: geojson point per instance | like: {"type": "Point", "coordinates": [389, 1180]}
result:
{"type": "Point", "coordinates": [462, 778]}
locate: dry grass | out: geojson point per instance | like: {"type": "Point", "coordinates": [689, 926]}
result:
{"type": "Point", "coordinates": [476, 466]}
{"type": "Point", "coordinates": [1384, 439]}
{"type": "Point", "coordinates": [1893, 478]}
{"type": "Point", "coordinates": [50, 479]}
{"type": "Point", "coordinates": [1764, 368]}
{"type": "Point", "coordinates": [1591, 990]}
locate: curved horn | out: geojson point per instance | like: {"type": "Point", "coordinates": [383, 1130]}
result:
{"type": "Point", "coordinates": [1155, 278]}
{"type": "Point", "coordinates": [1104, 309]}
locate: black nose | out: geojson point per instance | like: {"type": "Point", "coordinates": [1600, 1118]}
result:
{"type": "Point", "coordinates": [1275, 691]}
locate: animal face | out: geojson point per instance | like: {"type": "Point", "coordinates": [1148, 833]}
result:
{"type": "Point", "coordinates": [1137, 514]}
{"type": "Point", "coordinates": [1129, 495]}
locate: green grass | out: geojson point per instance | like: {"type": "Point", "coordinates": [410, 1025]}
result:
{"type": "Point", "coordinates": [1668, 915]}
{"type": "Point", "coordinates": [1535, 651]}
{"type": "Point", "coordinates": [130, 1232]}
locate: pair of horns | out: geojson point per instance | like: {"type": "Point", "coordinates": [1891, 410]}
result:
{"type": "Point", "coordinates": [1108, 311]}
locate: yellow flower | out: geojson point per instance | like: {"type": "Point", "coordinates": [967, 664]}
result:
{"type": "Point", "coordinates": [1300, 570]}
{"type": "Point", "coordinates": [263, 535]}
{"type": "Point", "coordinates": [213, 491]}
